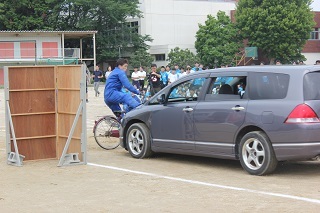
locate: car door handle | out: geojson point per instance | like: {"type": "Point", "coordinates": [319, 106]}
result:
{"type": "Point", "coordinates": [187, 109]}
{"type": "Point", "coordinates": [237, 108]}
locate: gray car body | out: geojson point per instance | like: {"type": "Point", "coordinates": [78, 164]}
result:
{"type": "Point", "coordinates": [213, 129]}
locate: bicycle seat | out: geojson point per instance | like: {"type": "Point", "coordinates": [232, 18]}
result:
{"type": "Point", "coordinates": [118, 113]}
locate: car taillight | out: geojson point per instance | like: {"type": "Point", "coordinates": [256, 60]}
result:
{"type": "Point", "coordinates": [302, 114]}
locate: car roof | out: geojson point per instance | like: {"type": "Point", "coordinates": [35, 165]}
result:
{"type": "Point", "coordinates": [286, 69]}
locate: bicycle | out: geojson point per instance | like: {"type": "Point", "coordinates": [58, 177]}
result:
{"type": "Point", "coordinates": [106, 129]}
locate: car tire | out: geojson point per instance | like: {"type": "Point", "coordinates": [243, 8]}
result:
{"type": "Point", "coordinates": [256, 154]}
{"type": "Point", "coordinates": [138, 141]}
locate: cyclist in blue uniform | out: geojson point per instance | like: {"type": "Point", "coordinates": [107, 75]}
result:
{"type": "Point", "coordinates": [113, 95]}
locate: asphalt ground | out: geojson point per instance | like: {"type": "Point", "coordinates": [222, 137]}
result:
{"type": "Point", "coordinates": [113, 181]}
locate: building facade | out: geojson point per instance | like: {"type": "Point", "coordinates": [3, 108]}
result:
{"type": "Point", "coordinates": [311, 49]}
{"type": "Point", "coordinates": [174, 23]}
{"type": "Point", "coordinates": [19, 48]}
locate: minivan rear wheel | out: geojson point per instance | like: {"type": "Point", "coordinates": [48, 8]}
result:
{"type": "Point", "coordinates": [256, 154]}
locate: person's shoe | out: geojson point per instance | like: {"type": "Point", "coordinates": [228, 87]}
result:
{"type": "Point", "coordinates": [87, 100]}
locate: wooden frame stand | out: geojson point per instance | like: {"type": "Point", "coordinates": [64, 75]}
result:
{"type": "Point", "coordinates": [46, 114]}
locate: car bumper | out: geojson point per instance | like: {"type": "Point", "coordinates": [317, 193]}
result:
{"type": "Point", "coordinates": [121, 138]}
{"type": "Point", "coordinates": [296, 151]}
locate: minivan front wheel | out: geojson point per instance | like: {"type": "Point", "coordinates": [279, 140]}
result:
{"type": "Point", "coordinates": [139, 141]}
{"type": "Point", "coordinates": [256, 154]}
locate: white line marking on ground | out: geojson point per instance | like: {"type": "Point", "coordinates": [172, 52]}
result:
{"type": "Point", "coordinates": [310, 200]}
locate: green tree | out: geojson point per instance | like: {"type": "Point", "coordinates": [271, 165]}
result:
{"type": "Point", "coordinates": [181, 57]}
{"type": "Point", "coordinates": [279, 28]}
{"type": "Point", "coordinates": [217, 40]}
{"type": "Point", "coordinates": [26, 14]}
{"type": "Point", "coordinates": [141, 58]}
{"type": "Point", "coordinates": [110, 18]}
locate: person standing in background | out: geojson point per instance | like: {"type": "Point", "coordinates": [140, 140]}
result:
{"type": "Point", "coordinates": [182, 72]}
{"type": "Point", "coordinates": [196, 66]}
{"type": "Point", "coordinates": [200, 67]}
{"type": "Point", "coordinates": [155, 79]}
{"type": "Point", "coordinates": [177, 69]}
{"type": "Point", "coordinates": [109, 70]}
{"type": "Point", "coordinates": [135, 76]}
{"type": "Point", "coordinates": [278, 62]}
{"type": "Point", "coordinates": [168, 69]}
{"type": "Point", "coordinates": [142, 75]}
{"type": "Point", "coordinates": [164, 77]}
{"type": "Point", "coordinates": [173, 76]}
{"type": "Point", "coordinates": [97, 75]}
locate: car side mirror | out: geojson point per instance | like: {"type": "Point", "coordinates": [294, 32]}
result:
{"type": "Point", "coordinates": [161, 98]}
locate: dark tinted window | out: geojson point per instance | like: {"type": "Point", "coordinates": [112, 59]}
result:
{"type": "Point", "coordinates": [268, 86]}
{"type": "Point", "coordinates": [311, 86]}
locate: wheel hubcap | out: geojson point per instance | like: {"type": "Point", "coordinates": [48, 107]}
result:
{"type": "Point", "coordinates": [253, 153]}
{"type": "Point", "coordinates": [136, 141]}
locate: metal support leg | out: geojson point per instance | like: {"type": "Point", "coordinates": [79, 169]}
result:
{"type": "Point", "coordinates": [65, 157]}
{"type": "Point", "coordinates": [14, 158]}
{"type": "Point", "coordinates": [83, 97]}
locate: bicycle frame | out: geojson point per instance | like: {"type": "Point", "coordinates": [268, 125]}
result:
{"type": "Point", "coordinates": [113, 133]}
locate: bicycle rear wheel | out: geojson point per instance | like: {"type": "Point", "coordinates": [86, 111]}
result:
{"type": "Point", "coordinates": [106, 132]}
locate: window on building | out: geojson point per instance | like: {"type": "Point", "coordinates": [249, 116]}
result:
{"type": "Point", "coordinates": [160, 57]}
{"type": "Point", "coordinates": [134, 25]}
{"type": "Point", "coordinates": [315, 34]}
{"type": "Point", "coordinates": [28, 49]}
{"type": "Point", "coordinates": [49, 49]}
{"type": "Point", "coordinates": [6, 50]}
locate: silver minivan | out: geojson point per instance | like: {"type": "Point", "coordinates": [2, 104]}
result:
{"type": "Point", "coordinates": [259, 115]}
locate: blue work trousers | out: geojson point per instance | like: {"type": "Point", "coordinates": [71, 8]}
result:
{"type": "Point", "coordinates": [114, 98]}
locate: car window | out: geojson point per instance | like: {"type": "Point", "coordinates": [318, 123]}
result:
{"type": "Point", "coordinates": [268, 86]}
{"type": "Point", "coordinates": [227, 87]}
{"type": "Point", "coordinates": [186, 91]}
{"type": "Point", "coordinates": [311, 86]}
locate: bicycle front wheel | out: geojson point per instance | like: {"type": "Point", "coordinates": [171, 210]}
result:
{"type": "Point", "coordinates": [106, 133]}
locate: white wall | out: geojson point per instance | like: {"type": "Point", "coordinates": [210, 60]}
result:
{"type": "Point", "coordinates": [311, 58]}
{"type": "Point", "coordinates": [174, 23]}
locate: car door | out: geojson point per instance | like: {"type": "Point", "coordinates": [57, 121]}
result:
{"type": "Point", "coordinates": [172, 126]}
{"type": "Point", "coordinates": [218, 118]}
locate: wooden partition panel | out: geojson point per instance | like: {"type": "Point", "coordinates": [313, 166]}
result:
{"type": "Point", "coordinates": [32, 102]}
{"type": "Point", "coordinates": [34, 125]}
{"type": "Point", "coordinates": [68, 100]}
{"type": "Point", "coordinates": [34, 149]}
{"type": "Point", "coordinates": [33, 110]}
{"type": "Point", "coordinates": [44, 101]}
{"type": "Point", "coordinates": [31, 78]}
